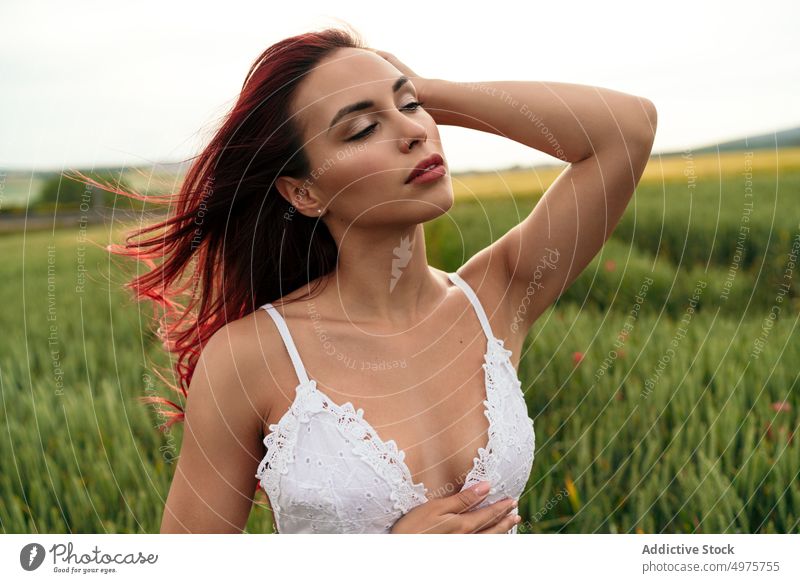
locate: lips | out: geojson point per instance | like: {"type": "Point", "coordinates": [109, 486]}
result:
{"type": "Point", "coordinates": [432, 160]}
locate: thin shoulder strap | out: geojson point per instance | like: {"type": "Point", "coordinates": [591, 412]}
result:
{"type": "Point", "coordinates": [288, 342]}
{"type": "Point", "coordinates": [459, 281]}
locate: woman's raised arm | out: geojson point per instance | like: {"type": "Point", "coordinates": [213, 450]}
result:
{"type": "Point", "coordinates": [606, 137]}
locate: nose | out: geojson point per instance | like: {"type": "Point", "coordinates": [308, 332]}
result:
{"type": "Point", "coordinates": [413, 133]}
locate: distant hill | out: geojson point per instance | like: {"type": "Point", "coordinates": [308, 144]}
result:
{"type": "Point", "coordinates": [162, 168]}
{"type": "Point", "coordinates": [24, 185]}
{"type": "Point", "coordinates": [782, 139]}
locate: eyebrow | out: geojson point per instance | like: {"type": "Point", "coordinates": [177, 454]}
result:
{"type": "Point", "coordinates": [359, 105]}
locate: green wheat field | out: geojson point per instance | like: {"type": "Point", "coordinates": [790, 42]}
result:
{"type": "Point", "coordinates": [663, 383]}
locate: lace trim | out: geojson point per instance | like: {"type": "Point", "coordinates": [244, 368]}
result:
{"type": "Point", "coordinates": [384, 457]}
{"type": "Point", "coordinates": [280, 441]}
{"type": "Point", "coordinates": [485, 464]}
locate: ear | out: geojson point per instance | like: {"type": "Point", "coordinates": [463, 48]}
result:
{"type": "Point", "coordinates": [298, 194]}
{"type": "Point", "coordinates": [289, 188]}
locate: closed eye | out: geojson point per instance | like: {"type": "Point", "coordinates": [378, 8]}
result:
{"type": "Point", "coordinates": [411, 106]}
{"type": "Point", "coordinates": [414, 105]}
{"type": "Point", "coordinates": [362, 134]}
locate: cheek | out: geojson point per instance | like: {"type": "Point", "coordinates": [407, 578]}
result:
{"type": "Point", "coordinates": [360, 169]}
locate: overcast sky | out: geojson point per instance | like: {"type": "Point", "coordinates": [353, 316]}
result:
{"type": "Point", "coordinates": [88, 83]}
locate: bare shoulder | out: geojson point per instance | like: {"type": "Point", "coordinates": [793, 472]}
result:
{"type": "Point", "coordinates": [244, 351]}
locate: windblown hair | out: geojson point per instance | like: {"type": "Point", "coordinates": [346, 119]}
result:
{"type": "Point", "coordinates": [231, 242]}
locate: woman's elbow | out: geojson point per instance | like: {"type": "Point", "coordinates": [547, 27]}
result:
{"type": "Point", "coordinates": [648, 122]}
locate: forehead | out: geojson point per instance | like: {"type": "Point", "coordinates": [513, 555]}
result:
{"type": "Point", "coordinates": [343, 77]}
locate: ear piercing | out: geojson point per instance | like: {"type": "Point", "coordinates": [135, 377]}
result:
{"type": "Point", "coordinates": [304, 192]}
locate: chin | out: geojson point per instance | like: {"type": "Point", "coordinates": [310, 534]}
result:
{"type": "Point", "coordinates": [428, 209]}
{"type": "Point", "coordinates": [408, 212]}
{"type": "Point", "coordinates": [424, 206]}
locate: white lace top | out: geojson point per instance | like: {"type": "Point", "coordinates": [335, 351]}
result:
{"type": "Point", "coordinates": [326, 470]}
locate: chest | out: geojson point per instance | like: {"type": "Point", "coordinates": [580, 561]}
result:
{"type": "Point", "coordinates": [425, 390]}
{"type": "Point", "coordinates": [328, 469]}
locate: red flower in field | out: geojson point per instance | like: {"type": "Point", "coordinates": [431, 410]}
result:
{"type": "Point", "coordinates": [619, 396]}
{"type": "Point", "coordinates": [577, 357]}
{"type": "Point", "coordinates": [781, 406]}
{"type": "Point", "coordinates": [621, 353]}
{"type": "Point", "coordinates": [611, 265]}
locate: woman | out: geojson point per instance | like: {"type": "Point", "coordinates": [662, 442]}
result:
{"type": "Point", "coordinates": [370, 397]}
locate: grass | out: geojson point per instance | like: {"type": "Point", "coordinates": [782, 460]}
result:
{"type": "Point", "coordinates": [671, 412]}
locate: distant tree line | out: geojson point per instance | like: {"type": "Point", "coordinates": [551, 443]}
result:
{"type": "Point", "coordinates": [63, 193]}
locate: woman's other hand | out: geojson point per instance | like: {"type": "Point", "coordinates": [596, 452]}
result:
{"type": "Point", "coordinates": [455, 515]}
{"type": "Point", "coordinates": [420, 83]}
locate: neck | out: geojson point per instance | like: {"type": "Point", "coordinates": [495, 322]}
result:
{"type": "Point", "coordinates": [383, 276]}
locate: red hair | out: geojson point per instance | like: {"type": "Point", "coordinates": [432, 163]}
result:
{"type": "Point", "coordinates": [228, 228]}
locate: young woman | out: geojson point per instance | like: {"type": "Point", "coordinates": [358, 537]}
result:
{"type": "Point", "coordinates": [384, 401]}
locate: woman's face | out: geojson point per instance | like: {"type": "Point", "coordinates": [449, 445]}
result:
{"type": "Point", "coordinates": [360, 161]}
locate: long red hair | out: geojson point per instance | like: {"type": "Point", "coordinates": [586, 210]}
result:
{"type": "Point", "coordinates": [231, 242]}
